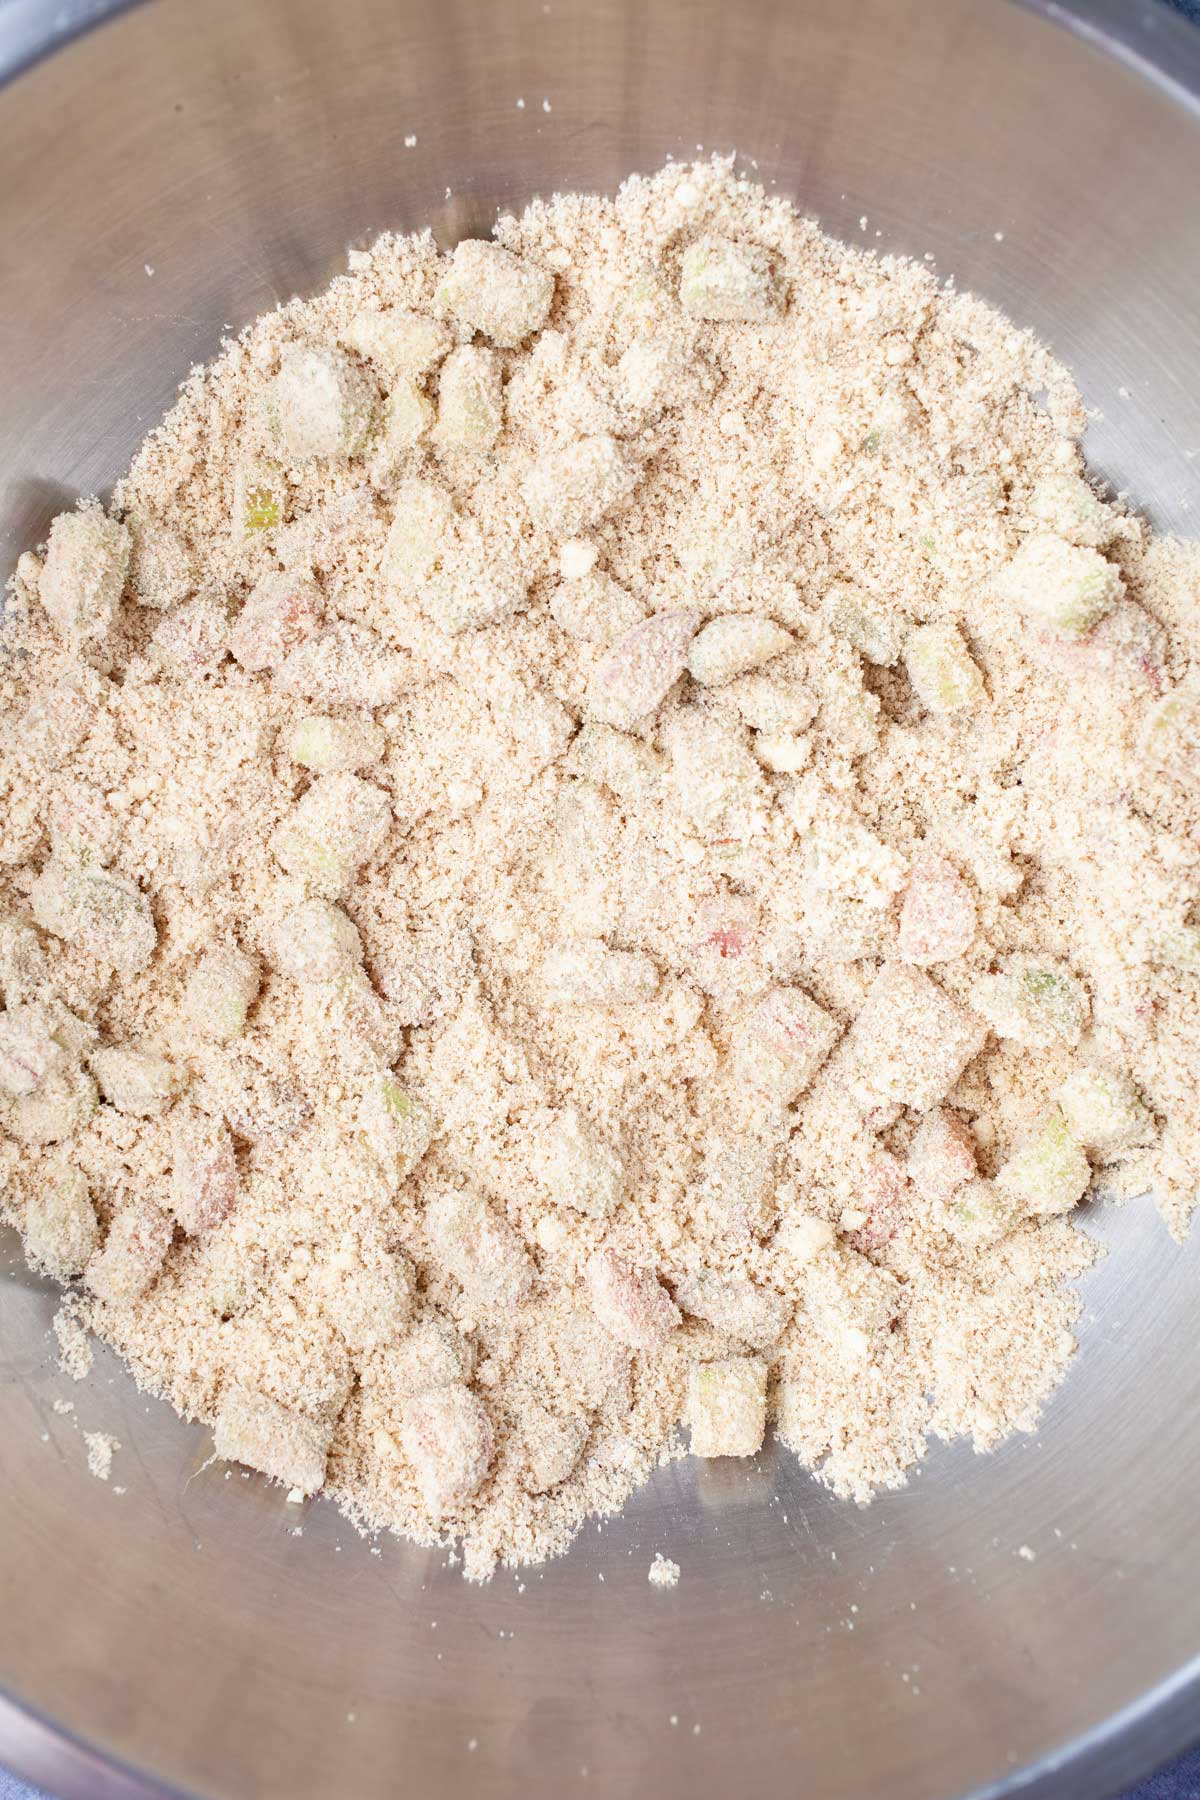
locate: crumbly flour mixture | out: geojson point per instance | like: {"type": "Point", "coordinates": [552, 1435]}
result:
{"type": "Point", "coordinates": [602, 838]}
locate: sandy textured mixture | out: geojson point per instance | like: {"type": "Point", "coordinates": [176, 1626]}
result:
{"type": "Point", "coordinates": [602, 838]}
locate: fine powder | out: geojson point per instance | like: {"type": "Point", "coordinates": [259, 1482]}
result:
{"type": "Point", "coordinates": [599, 841]}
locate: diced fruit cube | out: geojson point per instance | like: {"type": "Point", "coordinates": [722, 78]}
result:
{"type": "Point", "coordinates": [937, 918]}
{"type": "Point", "coordinates": [631, 680]}
{"type": "Point", "coordinates": [756, 1315]}
{"type": "Point", "coordinates": [595, 1368]}
{"type": "Point", "coordinates": [739, 1186]}
{"type": "Point", "coordinates": [849, 1300]}
{"type": "Point", "coordinates": [276, 1440]}
{"type": "Point", "coordinates": [58, 720]}
{"type": "Point", "coordinates": [194, 639]}
{"type": "Point", "coordinates": [476, 591]}
{"type": "Point", "coordinates": [727, 1406]}
{"type": "Point", "coordinates": [432, 1355]}
{"type": "Point", "coordinates": [29, 1050]}
{"type": "Point", "coordinates": [979, 1213]}
{"type": "Point", "coordinates": [779, 1045]}
{"type": "Point", "coordinates": [313, 1375]}
{"type": "Point", "coordinates": [1048, 1174]}
{"type": "Point", "coordinates": [397, 1127]}
{"type": "Point", "coordinates": [447, 1436]}
{"type": "Point", "coordinates": [424, 525]}
{"type": "Point", "coordinates": [1034, 1001]}
{"type": "Point", "coordinates": [279, 614]}
{"type": "Point", "coordinates": [895, 423]}
{"type": "Point", "coordinates": [647, 296]}
{"type": "Point", "coordinates": [331, 831]}
{"type": "Point", "coordinates": [553, 1446]}
{"type": "Point", "coordinates": [495, 292]}
{"type": "Point", "coordinates": [771, 705]}
{"type": "Point", "coordinates": [732, 645]}
{"type": "Point", "coordinates": [260, 497]}
{"type": "Point", "coordinates": [1127, 646]}
{"type": "Point", "coordinates": [407, 415]}
{"type": "Point", "coordinates": [1105, 1112]}
{"type": "Point", "coordinates": [22, 961]}
{"type": "Point", "coordinates": [863, 622]}
{"type": "Point", "coordinates": [629, 768]}
{"type": "Point", "coordinates": [63, 1103]}
{"type": "Point", "coordinates": [325, 403]}
{"type": "Point", "coordinates": [630, 1303]}
{"type": "Point", "coordinates": [366, 1293]}
{"type": "Point", "coordinates": [76, 1036]}
{"type": "Point", "coordinates": [588, 973]}
{"type": "Point", "coordinates": [334, 746]}
{"type": "Point", "coordinates": [1065, 586]}
{"type": "Point", "coordinates": [479, 1247]}
{"type": "Point", "coordinates": [317, 942]}
{"type": "Point", "coordinates": [725, 948]}
{"type": "Point", "coordinates": [347, 665]}
{"type": "Point", "coordinates": [569, 490]}
{"type": "Point", "coordinates": [204, 1177]}
{"type": "Point", "coordinates": [161, 571]}
{"type": "Point", "coordinates": [445, 560]}
{"type": "Point", "coordinates": [1068, 506]}
{"type": "Point", "coordinates": [402, 344]}
{"type": "Point", "coordinates": [885, 1200]}
{"type": "Point", "coordinates": [84, 573]}
{"type": "Point", "coordinates": [718, 782]}
{"type": "Point", "coordinates": [470, 400]}
{"type": "Point", "coordinates": [653, 372]}
{"type": "Point", "coordinates": [1169, 740]}
{"type": "Point", "coordinates": [136, 1081]}
{"type": "Point", "coordinates": [727, 281]}
{"type": "Point", "coordinates": [132, 1254]}
{"type": "Point", "coordinates": [941, 1157]}
{"type": "Point", "coordinates": [910, 1040]}
{"type": "Point", "coordinates": [61, 1232]}
{"type": "Point", "coordinates": [1179, 949]}
{"type": "Point", "coordinates": [108, 917]}
{"type": "Point", "coordinates": [349, 1007]}
{"type": "Point", "coordinates": [580, 1168]}
{"type": "Point", "coordinates": [223, 988]}
{"type": "Point", "coordinates": [594, 609]}
{"type": "Point", "coordinates": [939, 665]}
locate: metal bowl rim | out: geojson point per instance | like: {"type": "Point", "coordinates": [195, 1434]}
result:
{"type": "Point", "coordinates": [1160, 47]}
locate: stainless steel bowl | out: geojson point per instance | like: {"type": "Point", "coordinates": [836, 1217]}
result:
{"type": "Point", "coordinates": [175, 172]}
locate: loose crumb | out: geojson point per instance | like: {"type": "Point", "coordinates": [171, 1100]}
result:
{"type": "Point", "coordinates": [100, 1449]}
{"type": "Point", "coordinates": [75, 1353]}
{"type": "Point", "coordinates": [663, 1572]}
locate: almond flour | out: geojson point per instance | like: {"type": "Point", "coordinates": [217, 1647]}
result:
{"type": "Point", "coordinates": [603, 837]}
